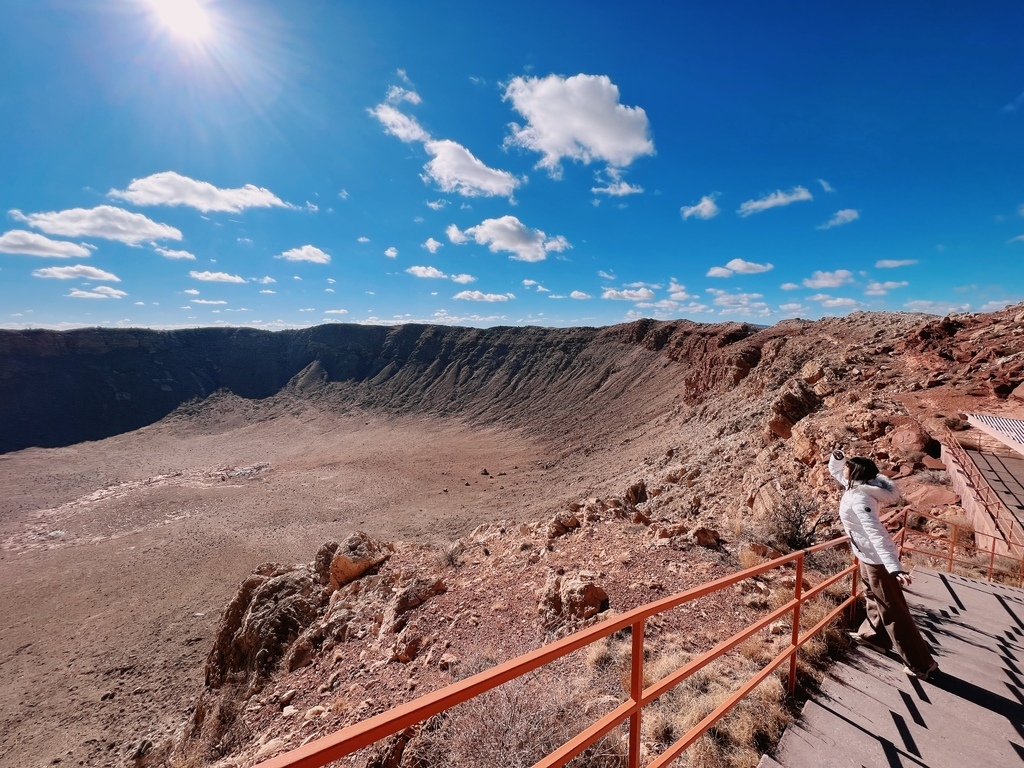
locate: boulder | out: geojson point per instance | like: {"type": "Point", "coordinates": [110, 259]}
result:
{"type": "Point", "coordinates": [562, 523]}
{"type": "Point", "coordinates": [636, 494]}
{"type": "Point", "coordinates": [355, 556]}
{"type": "Point", "coordinates": [570, 598]}
{"type": "Point", "coordinates": [928, 496]}
{"type": "Point", "coordinates": [1018, 392]}
{"type": "Point", "coordinates": [706, 537]}
{"type": "Point", "coordinates": [793, 403]}
{"type": "Point", "coordinates": [909, 439]}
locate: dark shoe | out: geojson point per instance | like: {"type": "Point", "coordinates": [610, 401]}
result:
{"type": "Point", "coordinates": [923, 675]}
{"type": "Point", "coordinates": [858, 639]}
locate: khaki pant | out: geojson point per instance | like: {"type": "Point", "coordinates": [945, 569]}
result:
{"type": "Point", "coordinates": [889, 623]}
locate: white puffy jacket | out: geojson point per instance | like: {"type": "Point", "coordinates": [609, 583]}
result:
{"type": "Point", "coordinates": [858, 512]}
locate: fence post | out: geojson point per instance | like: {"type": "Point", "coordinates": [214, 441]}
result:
{"type": "Point", "coordinates": [903, 533]}
{"type": "Point", "coordinates": [797, 594]}
{"type": "Point", "coordinates": [992, 560]}
{"type": "Point", "coordinates": [636, 692]}
{"type": "Point", "coordinates": [952, 543]}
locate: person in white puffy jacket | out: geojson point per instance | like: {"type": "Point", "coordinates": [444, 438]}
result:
{"type": "Point", "coordinates": [888, 623]}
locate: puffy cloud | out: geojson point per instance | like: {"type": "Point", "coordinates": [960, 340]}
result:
{"type": "Point", "coordinates": [216, 277]}
{"type": "Point", "coordinates": [894, 263]}
{"type": "Point", "coordinates": [79, 271]}
{"type": "Point", "coordinates": [265, 280]}
{"type": "Point", "coordinates": [828, 279]}
{"type": "Point", "coordinates": [426, 272]}
{"type": "Point", "coordinates": [638, 294]}
{"type": "Point", "coordinates": [432, 245]}
{"type": "Point", "coordinates": [826, 186]}
{"type": "Point", "coordinates": [33, 244]}
{"type": "Point", "coordinates": [455, 169]}
{"type": "Point", "coordinates": [105, 221]}
{"type": "Point", "coordinates": [579, 118]}
{"type": "Point", "coordinates": [397, 94]}
{"type": "Point", "coordinates": [170, 254]}
{"type": "Point", "coordinates": [362, 239]}
{"type": "Point", "coordinates": [391, 252]}
{"type": "Point", "coordinates": [399, 125]}
{"type": "Point", "coordinates": [579, 295]}
{"type": "Point", "coordinates": [614, 185]}
{"type": "Point", "coordinates": [740, 303]}
{"type": "Point", "coordinates": [936, 307]}
{"type": "Point", "coordinates": [170, 188]}
{"type": "Point", "coordinates": [834, 302]}
{"type": "Point", "coordinates": [845, 216]}
{"type": "Point", "coordinates": [774, 200]}
{"type": "Point", "coordinates": [191, 291]}
{"type": "Point", "coordinates": [876, 288]}
{"type": "Point", "coordinates": [677, 292]}
{"type": "Point", "coordinates": [789, 286]}
{"type": "Point", "coordinates": [705, 209]}
{"type": "Point", "coordinates": [437, 205]}
{"type": "Point", "coordinates": [305, 253]}
{"type": "Point", "coordinates": [208, 301]}
{"type": "Point", "coordinates": [478, 296]}
{"type": "Point", "coordinates": [509, 234]}
{"type": "Point", "coordinates": [336, 312]}
{"type": "Point", "coordinates": [741, 267]}
{"type": "Point", "coordinates": [99, 292]}
{"type": "Point", "coordinates": [463, 279]}
{"type": "Point", "coordinates": [791, 307]}
{"type": "Point", "coordinates": [529, 283]}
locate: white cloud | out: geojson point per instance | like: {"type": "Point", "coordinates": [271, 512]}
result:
{"type": "Point", "coordinates": [826, 186]}
{"type": "Point", "coordinates": [615, 185]}
{"type": "Point", "coordinates": [789, 286]}
{"type": "Point", "coordinates": [936, 307]}
{"type": "Point", "coordinates": [876, 288]}
{"type": "Point", "coordinates": [105, 221]}
{"type": "Point", "coordinates": [739, 266]}
{"type": "Point", "coordinates": [99, 292]}
{"type": "Point", "coordinates": [245, 240]}
{"type": "Point", "coordinates": [312, 207]}
{"type": "Point", "coordinates": [455, 169]}
{"type": "Point", "coordinates": [828, 279]}
{"type": "Point", "coordinates": [33, 244]}
{"type": "Point", "coordinates": [845, 216]}
{"type": "Point", "coordinates": [463, 279]}
{"type": "Point", "coordinates": [542, 289]}
{"type": "Point", "coordinates": [79, 271]}
{"type": "Point", "coordinates": [335, 311]}
{"type": "Point", "coordinates": [894, 263]}
{"type": "Point", "coordinates": [265, 280]}
{"type": "Point", "coordinates": [305, 253]}
{"type": "Point", "coordinates": [140, 303]}
{"type": "Point", "coordinates": [391, 252]}
{"type": "Point", "coordinates": [605, 275]}
{"type": "Point", "coordinates": [579, 118]}
{"type": "Point", "coordinates": [740, 303]}
{"type": "Point", "coordinates": [208, 301]}
{"type": "Point", "coordinates": [509, 234]}
{"type": "Point", "coordinates": [529, 283]}
{"type": "Point", "coordinates": [432, 245]}
{"type": "Point", "coordinates": [792, 307]}
{"type": "Point", "coordinates": [834, 302]}
{"type": "Point", "coordinates": [268, 291]}
{"type": "Point", "coordinates": [397, 124]}
{"type": "Point", "coordinates": [426, 272]}
{"type": "Point", "coordinates": [437, 205]}
{"type": "Point", "coordinates": [677, 292]}
{"type": "Point", "coordinates": [216, 277]}
{"type": "Point", "coordinates": [478, 296]}
{"type": "Point", "coordinates": [170, 188]}
{"type": "Point", "coordinates": [362, 239]}
{"type": "Point", "coordinates": [579, 295]}
{"type": "Point", "coordinates": [170, 254]}
{"type": "Point", "coordinates": [343, 194]}
{"type": "Point", "coordinates": [705, 209]}
{"type": "Point", "coordinates": [396, 94]}
{"type": "Point", "coordinates": [191, 291]}
{"type": "Point", "coordinates": [639, 294]}
{"type": "Point", "coordinates": [774, 200]}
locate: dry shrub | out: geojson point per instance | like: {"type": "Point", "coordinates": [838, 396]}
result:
{"type": "Point", "coordinates": [933, 477]}
{"type": "Point", "coordinates": [514, 726]}
{"type": "Point", "coordinates": [787, 526]}
{"type": "Point", "coordinates": [749, 558]}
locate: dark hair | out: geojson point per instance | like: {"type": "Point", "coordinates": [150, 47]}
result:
{"type": "Point", "coordinates": [861, 470]}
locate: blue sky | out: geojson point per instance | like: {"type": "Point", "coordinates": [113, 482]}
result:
{"type": "Point", "coordinates": [176, 163]}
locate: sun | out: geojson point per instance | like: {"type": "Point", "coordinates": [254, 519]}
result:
{"type": "Point", "coordinates": [184, 18]}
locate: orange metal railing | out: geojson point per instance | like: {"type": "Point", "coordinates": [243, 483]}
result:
{"type": "Point", "coordinates": [978, 556]}
{"type": "Point", "coordinates": [348, 740]}
{"type": "Point", "coordinates": [1004, 519]}
{"type": "Point", "coordinates": [355, 737]}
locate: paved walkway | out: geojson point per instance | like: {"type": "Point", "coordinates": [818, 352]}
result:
{"type": "Point", "coordinates": [1006, 476]}
{"type": "Point", "coordinates": [869, 713]}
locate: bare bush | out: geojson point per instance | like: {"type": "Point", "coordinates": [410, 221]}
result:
{"type": "Point", "coordinates": [789, 525]}
{"type": "Point", "coordinates": [933, 477]}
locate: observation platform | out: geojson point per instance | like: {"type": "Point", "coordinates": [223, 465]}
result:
{"type": "Point", "coordinates": [869, 714]}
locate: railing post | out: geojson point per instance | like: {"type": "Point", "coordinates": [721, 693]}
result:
{"type": "Point", "coordinates": [853, 591]}
{"type": "Point", "coordinates": [636, 692]}
{"type": "Point", "coordinates": [952, 543]}
{"type": "Point", "coordinates": [903, 533]}
{"type": "Point", "coordinates": [797, 594]}
{"type": "Point", "coordinates": [992, 559]}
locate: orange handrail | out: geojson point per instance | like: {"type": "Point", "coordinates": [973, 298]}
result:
{"type": "Point", "coordinates": [348, 740]}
